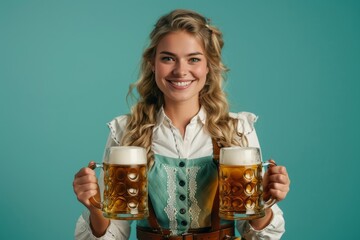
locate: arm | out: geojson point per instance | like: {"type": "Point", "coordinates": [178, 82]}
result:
{"type": "Point", "coordinates": [118, 229]}
{"type": "Point", "coordinates": [276, 183]}
{"type": "Point", "coordinates": [91, 224]}
{"type": "Point", "coordinates": [85, 187]}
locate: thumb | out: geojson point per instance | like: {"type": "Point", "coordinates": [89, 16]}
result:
{"type": "Point", "coordinates": [92, 165]}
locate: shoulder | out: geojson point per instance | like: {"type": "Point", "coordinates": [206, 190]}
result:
{"type": "Point", "coordinates": [117, 127]}
{"type": "Point", "coordinates": [246, 121]}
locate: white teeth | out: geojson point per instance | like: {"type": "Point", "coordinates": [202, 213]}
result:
{"type": "Point", "coordinates": [181, 84]}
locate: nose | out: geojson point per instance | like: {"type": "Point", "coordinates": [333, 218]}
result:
{"type": "Point", "coordinates": [180, 69]}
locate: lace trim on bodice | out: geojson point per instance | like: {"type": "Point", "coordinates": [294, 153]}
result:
{"type": "Point", "coordinates": [170, 209]}
{"type": "Point", "coordinates": [194, 209]}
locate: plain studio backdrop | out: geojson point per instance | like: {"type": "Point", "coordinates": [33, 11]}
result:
{"type": "Point", "coordinates": [65, 68]}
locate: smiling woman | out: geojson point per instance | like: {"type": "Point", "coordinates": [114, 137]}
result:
{"type": "Point", "coordinates": [181, 119]}
{"type": "Point", "coordinates": [180, 68]}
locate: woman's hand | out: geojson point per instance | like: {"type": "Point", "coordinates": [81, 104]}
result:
{"type": "Point", "coordinates": [276, 182]}
{"type": "Point", "coordinates": [85, 185]}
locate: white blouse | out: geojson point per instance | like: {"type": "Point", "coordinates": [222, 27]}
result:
{"type": "Point", "coordinates": [196, 143]}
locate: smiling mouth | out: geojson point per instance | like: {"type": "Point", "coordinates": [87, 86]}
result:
{"type": "Point", "coordinates": [180, 83]}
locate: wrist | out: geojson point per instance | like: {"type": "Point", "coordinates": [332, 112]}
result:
{"type": "Point", "coordinates": [261, 223]}
{"type": "Point", "coordinates": [98, 223]}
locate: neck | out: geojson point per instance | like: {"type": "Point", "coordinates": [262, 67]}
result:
{"type": "Point", "coordinates": [181, 114]}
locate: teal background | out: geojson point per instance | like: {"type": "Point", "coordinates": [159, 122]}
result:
{"type": "Point", "coordinates": [65, 68]}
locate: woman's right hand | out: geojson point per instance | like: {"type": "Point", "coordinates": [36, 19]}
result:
{"type": "Point", "coordinates": [85, 185]}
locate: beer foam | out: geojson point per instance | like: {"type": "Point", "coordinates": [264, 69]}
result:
{"type": "Point", "coordinates": [125, 155]}
{"type": "Point", "coordinates": [240, 155]}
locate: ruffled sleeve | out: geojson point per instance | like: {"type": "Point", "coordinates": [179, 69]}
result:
{"type": "Point", "coordinates": [246, 126]}
{"type": "Point", "coordinates": [117, 230]}
{"type": "Point", "coordinates": [274, 230]}
{"type": "Point", "coordinates": [117, 128]}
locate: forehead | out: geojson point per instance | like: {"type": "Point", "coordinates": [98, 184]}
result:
{"type": "Point", "coordinates": [180, 43]}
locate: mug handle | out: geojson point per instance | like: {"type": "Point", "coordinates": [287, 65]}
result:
{"type": "Point", "coordinates": [94, 200]}
{"type": "Point", "coordinates": [271, 200]}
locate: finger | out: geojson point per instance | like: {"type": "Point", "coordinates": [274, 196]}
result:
{"type": "Point", "coordinates": [84, 197]}
{"type": "Point", "coordinates": [85, 182]}
{"type": "Point", "coordinates": [279, 186]}
{"type": "Point", "coordinates": [92, 165]}
{"type": "Point", "coordinates": [277, 169]}
{"type": "Point", "coordinates": [89, 178]}
{"type": "Point", "coordinates": [276, 185]}
{"type": "Point", "coordinates": [273, 162]}
{"type": "Point", "coordinates": [85, 187]}
{"type": "Point", "coordinates": [84, 171]}
{"type": "Point", "coordinates": [278, 178]}
{"type": "Point", "coordinates": [79, 188]}
{"type": "Point", "coordinates": [277, 194]}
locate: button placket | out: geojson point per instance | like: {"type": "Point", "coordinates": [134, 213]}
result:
{"type": "Point", "coordinates": [182, 186]}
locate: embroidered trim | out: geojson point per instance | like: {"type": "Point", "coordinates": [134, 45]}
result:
{"type": "Point", "coordinates": [170, 209]}
{"type": "Point", "coordinates": [113, 133]}
{"type": "Point", "coordinates": [250, 119]}
{"type": "Point", "coordinates": [194, 209]}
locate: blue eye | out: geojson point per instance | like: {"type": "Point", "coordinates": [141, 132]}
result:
{"type": "Point", "coordinates": [195, 60]}
{"type": "Point", "coordinates": [167, 58]}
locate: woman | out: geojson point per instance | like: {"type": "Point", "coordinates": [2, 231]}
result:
{"type": "Point", "coordinates": [180, 111]}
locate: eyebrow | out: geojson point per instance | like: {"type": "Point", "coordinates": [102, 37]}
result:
{"type": "Point", "coordinates": [173, 54]}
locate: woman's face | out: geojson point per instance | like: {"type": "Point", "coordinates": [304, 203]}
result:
{"type": "Point", "coordinates": [180, 68]}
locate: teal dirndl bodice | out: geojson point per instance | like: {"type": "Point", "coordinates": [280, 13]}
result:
{"type": "Point", "coordinates": [182, 192]}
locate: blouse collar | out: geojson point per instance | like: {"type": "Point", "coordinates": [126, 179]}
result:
{"type": "Point", "coordinates": [163, 119]}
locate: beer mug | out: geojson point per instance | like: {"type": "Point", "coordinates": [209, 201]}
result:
{"type": "Point", "coordinates": [125, 193]}
{"type": "Point", "coordinates": [240, 184]}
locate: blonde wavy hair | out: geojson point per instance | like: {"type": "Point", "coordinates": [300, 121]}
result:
{"type": "Point", "coordinates": [219, 124]}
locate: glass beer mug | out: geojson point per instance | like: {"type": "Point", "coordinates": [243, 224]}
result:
{"type": "Point", "coordinates": [125, 193]}
{"type": "Point", "coordinates": [240, 183]}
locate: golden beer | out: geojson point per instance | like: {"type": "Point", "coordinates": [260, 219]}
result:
{"type": "Point", "coordinates": [125, 186]}
{"type": "Point", "coordinates": [240, 184]}
{"type": "Point", "coordinates": [240, 192]}
{"type": "Point", "coordinates": [125, 192]}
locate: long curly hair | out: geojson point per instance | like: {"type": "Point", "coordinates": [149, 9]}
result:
{"type": "Point", "coordinates": [219, 124]}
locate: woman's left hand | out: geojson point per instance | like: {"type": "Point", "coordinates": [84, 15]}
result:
{"type": "Point", "coordinates": [276, 182]}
